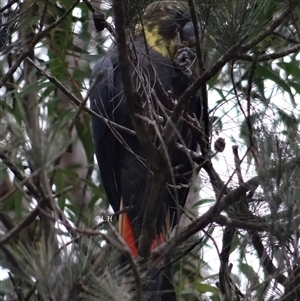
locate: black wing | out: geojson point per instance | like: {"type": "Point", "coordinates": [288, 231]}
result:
{"type": "Point", "coordinates": [102, 101]}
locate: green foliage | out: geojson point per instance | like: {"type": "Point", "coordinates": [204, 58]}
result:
{"type": "Point", "coordinates": [56, 253]}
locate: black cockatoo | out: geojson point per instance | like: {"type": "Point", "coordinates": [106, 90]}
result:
{"type": "Point", "coordinates": [162, 73]}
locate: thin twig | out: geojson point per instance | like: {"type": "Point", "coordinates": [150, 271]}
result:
{"type": "Point", "coordinates": [43, 16]}
{"type": "Point", "coordinates": [252, 143]}
{"type": "Point", "coordinates": [237, 163]}
{"type": "Point", "coordinates": [18, 290]}
{"type": "Point", "coordinates": [16, 171]}
{"type": "Point", "coordinates": [22, 225]}
{"type": "Point", "coordinates": [204, 97]}
{"type": "Point", "coordinates": [21, 183]}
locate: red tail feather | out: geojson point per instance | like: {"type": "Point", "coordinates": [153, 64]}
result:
{"type": "Point", "coordinates": [127, 233]}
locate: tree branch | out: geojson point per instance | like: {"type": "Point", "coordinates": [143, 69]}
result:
{"type": "Point", "coordinates": [156, 159]}
{"type": "Point", "coordinates": [208, 217]}
{"type": "Point", "coordinates": [271, 56]}
{"type": "Point", "coordinates": [266, 260]}
{"type": "Point", "coordinates": [245, 225]}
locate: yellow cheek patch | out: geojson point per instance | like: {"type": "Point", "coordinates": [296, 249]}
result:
{"type": "Point", "coordinates": [155, 41]}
